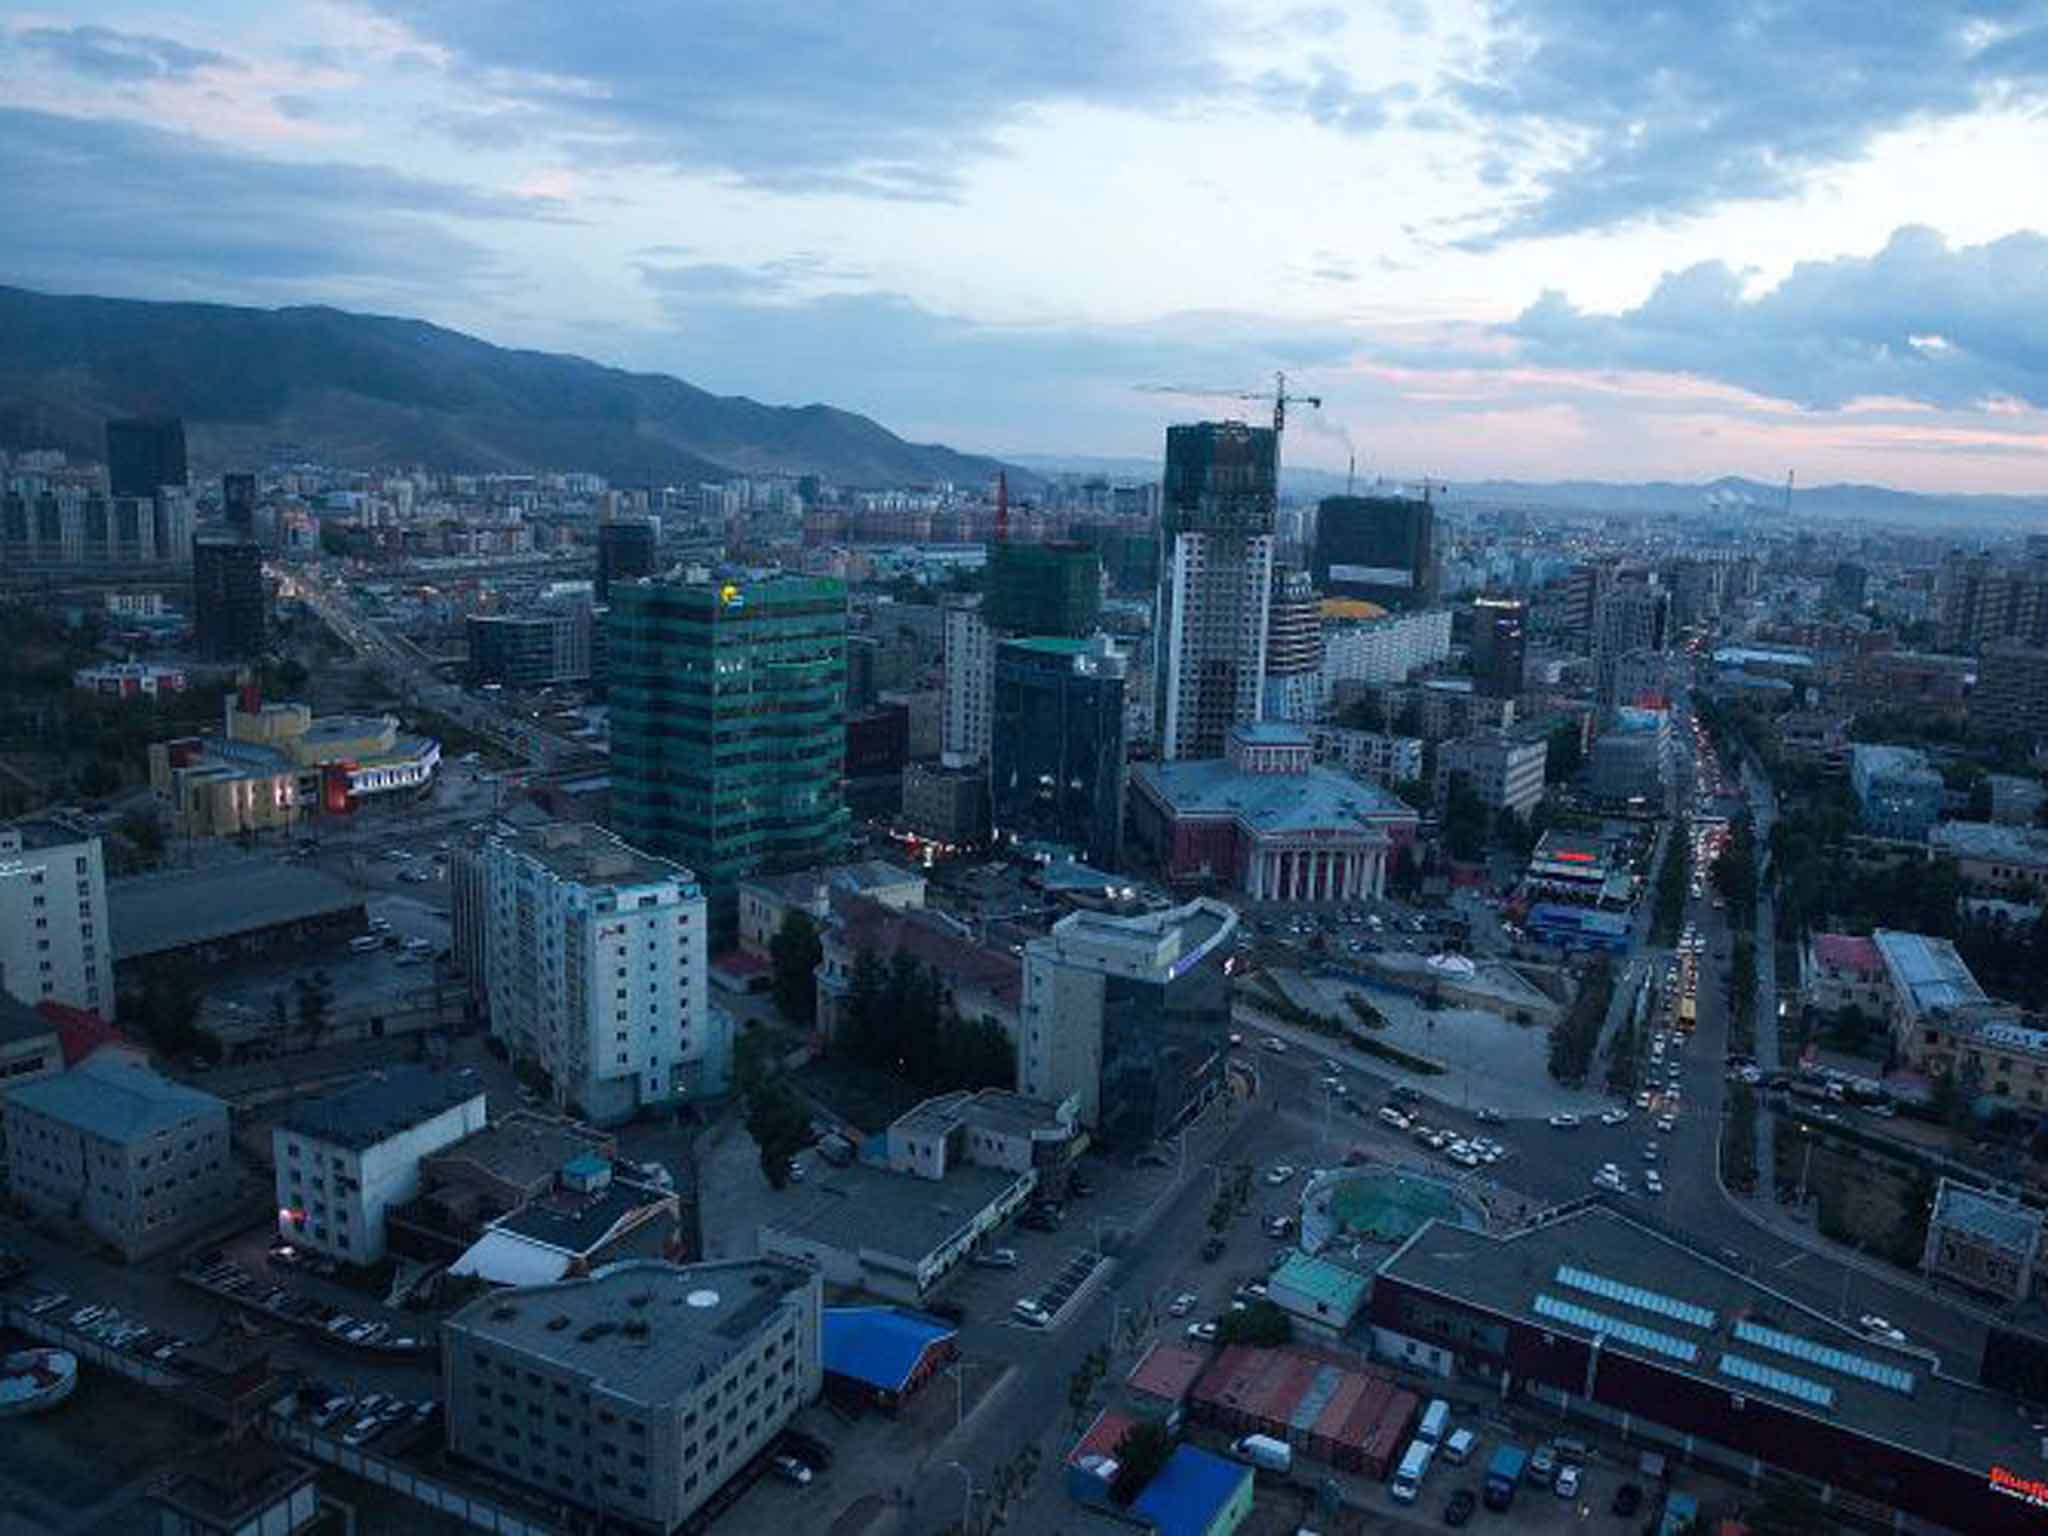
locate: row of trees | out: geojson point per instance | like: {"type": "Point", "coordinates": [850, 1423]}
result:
{"type": "Point", "coordinates": [1673, 880]}
{"type": "Point", "coordinates": [1735, 873]}
{"type": "Point", "coordinates": [1574, 1037]}
{"type": "Point", "coordinates": [900, 1019]}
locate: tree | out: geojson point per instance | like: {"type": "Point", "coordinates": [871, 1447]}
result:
{"type": "Point", "coordinates": [1787, 1510]}
{"type": "Point", "coordinates": [316, 997]}
{"type": "Point", "coordinates": [779, 1125]}
{"type": "Point", "coordinates": [142, 829]}
{"type": "Point", "coordinates": [1464, 821]}
{"type": "Point", "coordinates": [1367, 712]}
{"type": "Point", "coordinates": [1140, 1454]}
{"type": "Point", "coordinates": [1565, 755]}
{"type": "Point", "coordinates": [794, 954]}
{"type": "Point", "coordinates": [1261, 1323]}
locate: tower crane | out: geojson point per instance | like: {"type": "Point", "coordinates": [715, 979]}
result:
{"type": "Point", "coordinates": [1277, 394]}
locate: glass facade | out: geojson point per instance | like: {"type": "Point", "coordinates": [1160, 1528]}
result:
{"type": "Point", "coordinates": [1043, 589]}
{"type": "Point", "coordinates": [1056, 747]}
{"type": "Point", "coordinates": [728, 702]}
{"type": "Point", "coordinates": [1379, 548]}
{"type": "Point", "coordinates": [1162, 1051]}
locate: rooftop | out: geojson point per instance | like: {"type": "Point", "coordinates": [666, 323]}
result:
{"type": "Point", "coordinates": [578, 1222]}
{"type": "Point", "coordinates": [115, 1097]}
{"type": "Point", "coordinates": [20, 1022]}
{"type": "Point", "coordinates": [523, 1148]}
{"type": "Point", "coordinates": [1168, 1371]}
{"type": "Point", "coordinates": [1929, 971]}
{"type": "Point", "coordinates": [1893, 762]}
{"type": "Point", "coordinates": [1336, 1291]}
{"type": "Point", "coordinates": [881, 1346]}
{"type": "Point", "coordinates": [583, 853]}
{"type": "Point", "coordinates": [1171, 939]}
{"type": "Point", "coordinates": [862, 1207]}
{"type": "Point", "coordinates": [151, 914]}
{"type": "Point", "coordinates": [382, 1105]}
{"type": "Point", "coordinates": [2006, 1223]}
{"type": "Point", "coordinates": [1189, 1491]}
{"type": "Point", "coordinates": [1990, 840]}
{"type": "Point", "coordinates": [1598, 1274]}
{"type": "Point", "coordinates": [995, 1109]}
{"type": "Point", "coordinates": [648, 1330]}
{"type": "Point", "coordinates": [865, 923]}
{"type": "Point", "coordinates": [1847, 952]}
{"type": "Point", "coordinates": [1271, 802]}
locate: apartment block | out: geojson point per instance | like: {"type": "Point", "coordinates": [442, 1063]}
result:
{"type": "Point", "coordinates": [55, 945]}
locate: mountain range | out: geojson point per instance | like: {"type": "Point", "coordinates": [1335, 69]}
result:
{"type": "Point", "coordinates": [358, 391]}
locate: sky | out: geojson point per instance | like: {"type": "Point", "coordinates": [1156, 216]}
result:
{"type": "Point", "coordinates": [1538, 239]}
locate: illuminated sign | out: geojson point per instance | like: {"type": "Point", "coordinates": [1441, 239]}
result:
{"type": "Point", "coordinates": [2028, 1490]}
{"type": "Point", "coordinates": [731, 596]}
{"type": "Point", "coordinates": [1374, 575]}
{"type": "Point", "coordinates": [1573, 858]}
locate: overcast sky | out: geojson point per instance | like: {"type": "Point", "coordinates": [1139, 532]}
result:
{"type": "Point", "coordinates": [1534, 238]}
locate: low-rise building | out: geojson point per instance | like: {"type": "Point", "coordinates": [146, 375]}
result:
{"type": "Point", "coordinates": [130, 680]}
{"type": "Point", "coordinates": [1197, 1493]}
{"type": "Point", "coordinates": [596, 1212]}
{"type": "Point", "coordinates": [1983, 1242]}
{"type": "Point", "coordinates": [878, 1356]}
{"type": "Point", "coordinates": [947, 803]}
{"type": "Point", "coordinates": [31, 1044]}
{"type": "Point", "coordinates": [1322, 1297]}
{"type": "Point", "coordinates": [220, 915]}
{"type": "Point", "coordinates": [2015, 799]}
{"type": "Point", "coordinates": [767, 900]}
{"type": "Point", "coordinates": [1374, 756]}
{"type": "Point", "coordinates": [984, 980]}
{"type": "Point", "coordinates": [1988, 854]}
{"type": "Point", "coordinates": [2011, 697]}
{"type": "Point", "coordinates": [1505, 773]}
{"type": "Point", "coordinates": [342, 1161]}
{"type": "Point", "coordinates": [1815, 738]}
{"type": "Point", "coordinates": [142, 1163]}
{"type": "Point", "coordinates": [1845, 970]}
{"type": "Point", "coordinates": [635, 1393]}
{"type": "Point", "coordinates": [1898, 791]}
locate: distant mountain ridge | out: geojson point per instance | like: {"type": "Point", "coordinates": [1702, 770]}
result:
{"type": "Point", "coordinates": [363, 390]}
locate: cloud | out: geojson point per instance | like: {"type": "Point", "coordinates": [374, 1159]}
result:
{"type": "Point", "coordinates": [224, 224]}
{"type": "Point", "coordinates": [1953, 328]}
{"type": "Point", "coordinates": [884, 97]}
{"type": "Point", "coordinates": [124, 58]}
{"type": "Point", "coordinates": [1663, 110]}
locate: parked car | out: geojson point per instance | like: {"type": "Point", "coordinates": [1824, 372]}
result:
{"type": "Point", "coordinates": [1878, 1328]}
{"type": "Point", "coordinates": [790, 1470]}
{"type": "Point", "coordinates": [1567, 1484]}
{"type": "Point", "coordinates": [1212, 1247]}
{"type": "Point", "coordinates": [996, 1258]}
{"type": "Point", "coordinates": [1458, 1508]}
{"type": "Point", "coordinates": [1027, 1310]}
{"type": "Point", "coordinates": [1182, 1304]}
{"type": "Point", "coordinates": [1564, 1122]}
{"type": "Point", "coordinates": [1202, 1333]}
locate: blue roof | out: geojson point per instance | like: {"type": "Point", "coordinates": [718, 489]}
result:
{"type": "Point", "coordinates": [878, 1345]}
{"type": "Point", "coordinates": [115, 1098]}
{"type": "Point", "coordinates": [1183, 1500]}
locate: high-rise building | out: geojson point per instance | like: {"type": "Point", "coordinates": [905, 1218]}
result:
{"type": "Point", "coordinates": [627, 549]}
{"type": "Point", "coordinates": [1497, 650]}
{"type": "Point", "coordinates": [1216, 577]}
{"type": "Point", "coordinates": [968, 690]}
{"type": "Point", "coordinates": [1294, 648]}
{"type": "Point", "coordinates": [227, 599]}
{"type": "Point", "coordinates": [1633, 615]}
{"type": "Point", "coordinates": [728, 701]}
{"type": "Point", "coordinates": [145, 454]}
{"type": "Point", "coordinates": [1850, 584]}
{"type": "Point", "coordinates": [530, 650]}
{"type": "Point", "coordinates": [1379, 548]}
{"type": "Point", "coordinates": [1583, 585]}
{"type": "Point", "coordinates": [238, 503]}
{"type": "Point", "coordinates": [595, 963]}
{"type": "Point", "coordinates": [55, 945]}
{"type": "Point", "coordinates": [1979, 601]}
{"type": "Point", "coordinates": [1043, 589]}
{"type": "Point", "coordinates": [1056, 763]}
{"type": "Point", "coordinates": [1129, 1017]}
{"type": "Point", "coordinates": [1504, 773]}
{"type": "Point", "coordinates": [2012, 692]}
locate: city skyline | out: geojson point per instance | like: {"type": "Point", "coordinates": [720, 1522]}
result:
{"type": "Point", "coordinates": [1732, 242]}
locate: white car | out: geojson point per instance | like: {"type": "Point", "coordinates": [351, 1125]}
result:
{"type": "Point", "coordinates": [1028, 1311]}
{"type": "Point", "coordinates": [1274, 1044]}
{"type": "Point", "coordinates": [1667, 1123]}
{"type": "Point", "coordinates": [1613, 1116]}
{"type": "Point", "coordinates": [1279, 1173]}
{"type": "Point", "coordinates": [1653, 1182]}
{"type": "Point", "coordinates": [1879, 1328]}
{"type": "Point", "coordinates": [1202, 1333]}
{"type": "Point", "coordinates": [1564, 1122]}
{"type": "Point", "coordinates": [1182, 1304]}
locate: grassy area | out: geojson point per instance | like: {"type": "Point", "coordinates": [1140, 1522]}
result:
{"type": "Point", "coordinates": [1266, 995]}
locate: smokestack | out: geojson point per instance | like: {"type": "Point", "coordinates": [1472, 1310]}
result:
{"type": "Point", "coordinates": [1351, 475]}
{"type": "Point", "coordinates": [1002, 506]}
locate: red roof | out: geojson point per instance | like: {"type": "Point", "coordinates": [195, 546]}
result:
{"type": "Point", "coordinates": [79, 1031]}
{"type": "Point", "coordinates": [1847, 952]}
{"type": "Point", "coordinates": [1103, 1437]}
{"type": "Point", "coordinates": [865, 923]}
{"type": "Point", "coordinates": [1167, 1371]}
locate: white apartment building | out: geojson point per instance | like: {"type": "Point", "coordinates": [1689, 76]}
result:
{"type": "Point", "coordinates": [1385, 650]}
{"type": "Point", "coordinates": [1506, 774]}
{"type": "Point", "coordinates": [596, 965]}
{"type": "Point", "coordinates": [1371, 755]}
{"type": "Point", "coordinates": [969, 689]}
{"type": "Point", "coordinates": [55, 945]}
{"type": "Point", "coordinates": [639, 1391]}
{"type": "Point", "coordinates": [1214, 649]}
{"type": "Point", "coordinates": [344, 1160]}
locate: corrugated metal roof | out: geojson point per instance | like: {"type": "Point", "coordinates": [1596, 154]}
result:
{"type": "Point", "coordinates": [1190, 1491]}
{"type": "Point", "coordinates": [880, 1346]}
{"type": "Point", "coordinates": [116, 1098]}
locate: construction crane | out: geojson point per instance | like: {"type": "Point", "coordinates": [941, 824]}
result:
{"type": "Point", "coordinates": [1278, 395]}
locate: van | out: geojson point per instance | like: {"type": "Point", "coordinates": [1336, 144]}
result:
{"type": "Point", "coordinates": [1459, 1448]}
{"type": "Point", "coordinates": [365, 943]}
{"type": "Point", "coordinates": [1436, 1419]}
{"type": "Point", "coordinates": [1394, 1117]}
{"type": "Point", "coordinates": [1406, 1483]}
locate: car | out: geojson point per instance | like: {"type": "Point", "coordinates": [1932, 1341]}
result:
{"type": "Point", "coordinates": [1563, 1121]}
{"type": "Point", "coordinates": [1542, 1467]}
{"type": "Point", "coordinates": [49, 1303]}
{"type": "Point", "coordinates": [1458, 1508]}
{"type": "Point", "coordinates": [1628, 1498]}
{"type": "Point", "coordinates": [790, 1470]}
{"type": "Point", "coordinates": [1643, 1099]}
{"type": "Point", "coordinates": [1212, 1248]}
{"type": "Point", "coordinates": [1274, 1044]}
{"type": "Point", "coordinates": [1879, 1328]}
{"type": "Point", "coordinates": [1027, 1310]}
{"type": "Point", "coordinates": [1279, 1226]}
{"type": "Point", "coordinates": [808, 1448]}
{"type": "Point", "coordinates": [1613, 1117]}
{"type": "Point", "coordinates": [1567, 1484]}
{"type": "Point", "coordinates": [1202, 1333]}
{"type": "Point", "coordinates": [1465, 1157]}
{"type": "Point", "coordinates": [1393, 1117]}
{"type": "Point", "coordinates": [1489, 1117]}
{"type": "Point", "coordinates": [1182, 1304]}
{"type": "Point", "coordinates": [1279, 1173]}
{"type": "Point", "coordinates": [1650, 1152]}
{"type": "Point", "coordinates": [1653, 1182]}
{"type": "Point", "coordinates": [1250, 1291]}
{"type": "Point", "coordinates": [1667, 1123]}
{"type": "Point", "coordinates": [996, 1258]}
{"type": "Point", "coordinates": [362, 1430]}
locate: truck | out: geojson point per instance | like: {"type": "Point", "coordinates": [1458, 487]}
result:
{"type": "Point", "coordinates": [1264, 1452]}
{"type": "Point", "coordinates": [1504, 1475]}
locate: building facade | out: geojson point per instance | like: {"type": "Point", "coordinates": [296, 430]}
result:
{"type": "Point", "coordinates": [1497, 645]}
{"type": "Point", "coordinates": [1216, 577]}
{"type": "Point", "coordinates": [1056, 753]}
{"type": "Point", "coordinates": [1898, 791]}
{"type": "Point", "coordinates": [1294, 648]}
{"type": "Point", "coordinates": [969, 687]}
{"type": "Point", "coordinates": [1631, 616]}
{"type": "Point", "coordinates": [142, 1163]}
{"type": "Point", "coordinates": [627, 549]}
{"type": "Point", "coordinates": [530, 650]}
{"type": "Point", "coordinates": [130, 680]}
{"type": "Point", "coordinates": [1505, 773]}
{"type": "Point", "coordinates": [55, 942]}
{"type": "Point", "coordinates": [344, 1160]}
{"type": "Point", "coordinates": [1373, 756]}
{"type": "Point", "coordinates": [2011, 698]}
{"type": "Point", "coordinates": [728, 701]}
{"type": "Point", "coordinates": [145, 454]}
{"type": "Point", "coordinates": [227, 599]}
{"type": "Point", "coordinates": [1128, 1018]}
{"type": "Point", "coordinates": [636, 1393]}
{"type": "Point", "coordinates": [596, 969]}
{"type": "Point", "coordinates": [1379, 548]}
{"type": "Point", "coordinates": [1845, 970]}
{"type": "Point", "coordinates": [1043, 589]}
{"type": "Point", "coordinates": [1993, 856]}
{"type": "Point", "coordinates": [1986, 1243]}
{"type": "Point", "coordinates": [1361, 652]}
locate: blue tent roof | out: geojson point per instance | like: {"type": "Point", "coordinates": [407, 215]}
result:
{"type": "Point", "coordinates": [1193, 1485]}
{"type": "Point", "coordinates": [878, 1345]}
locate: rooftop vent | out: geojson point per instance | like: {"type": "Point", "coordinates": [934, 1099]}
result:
{"type": "Point", "coordinates": [636, 1328]}
{"type": "Point", "coordinates": [702, 1299]}
{"type": "Point", "coordinates": [640, 1299]}
{"type": "Point", "coordinates": [503, 1314]}
{"type": "Point", "coordinates": [558, 1322]}
{"type": "Point", "coordinates": [597, 1331]}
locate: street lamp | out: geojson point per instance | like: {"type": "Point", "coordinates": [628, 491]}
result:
{"type": "Point", "coordinates": [966, 1494]}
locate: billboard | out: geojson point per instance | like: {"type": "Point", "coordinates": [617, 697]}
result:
{"type": "Point", "coordinates": [1374, 575]}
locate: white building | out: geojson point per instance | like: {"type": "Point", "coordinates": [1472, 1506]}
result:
{"type": "Point", "coordinates": [595, 966]}
{"type": "Point", "coordinates": [970, 684]}
{"type": "Point", "coordinates": [54, 942]}
{"type": "Point", "coordinates": [1361, 652]}
{"type": "Point", "coordinates": [1214, 648]}
{"type": "Point", "coordinates": [1506, 774]}
{"type": "Point", "coordinates": [638, 1392]}
{"type": "Point", "coordinates": [1373, 756]}
{"type": "Point", "coordinates": [344, 1160]}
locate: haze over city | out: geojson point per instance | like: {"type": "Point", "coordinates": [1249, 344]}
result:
{"type": "Point", "coordinates": [1540, 239]}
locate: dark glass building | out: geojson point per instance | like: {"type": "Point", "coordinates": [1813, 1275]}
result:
{"type": "Point", "coordinates": [1497, 646]}
{"type": "Point", "coordinates": [238, 502]}
{"type": "Point", "coordinates": [1379, 548]}
{"type": "Point", "coordinates": [627, 549]}
{"type": "Point", "coordinates": [227, 599]}
{"type": "Point", "coordinates": [144, 454]}
{"type": "Point", "coordinates": [1043, 589]}
{"type": "Point", "coordinates": [728, 712]}
{"type": "Point", "coordinates": [1056, 746]}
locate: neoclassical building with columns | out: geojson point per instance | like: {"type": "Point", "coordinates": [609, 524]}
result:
{"type": "Point", "coordinates": [1268, 822]}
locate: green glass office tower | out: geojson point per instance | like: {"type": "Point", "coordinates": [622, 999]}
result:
{"type": "Point", "coordinates": [728, 700]}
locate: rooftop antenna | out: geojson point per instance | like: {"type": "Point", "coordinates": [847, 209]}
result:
{"type": "Point", "coordinates": [1351, 475]}
{"type": "Point", "coordinates": [1788, 492]}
